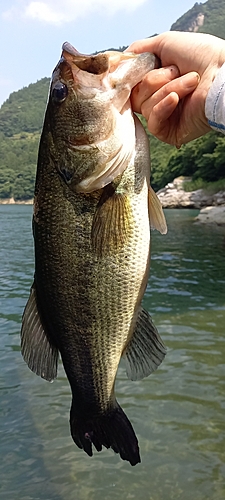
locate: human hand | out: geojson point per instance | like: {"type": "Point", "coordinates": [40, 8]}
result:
{"type": "Point", "coordinates": [172, 98]}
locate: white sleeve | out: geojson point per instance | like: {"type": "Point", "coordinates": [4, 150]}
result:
{"type": "Point", "coordinates": [215, 102]}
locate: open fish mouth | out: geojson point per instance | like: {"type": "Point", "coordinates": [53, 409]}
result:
{"type": "Point", "coordinates": [104, 70]}
{"type": "Point", "coordinates": [96, 63]}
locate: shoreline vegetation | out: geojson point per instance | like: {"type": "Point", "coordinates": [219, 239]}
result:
{"type": "Point", "coordinates": [208, 199]}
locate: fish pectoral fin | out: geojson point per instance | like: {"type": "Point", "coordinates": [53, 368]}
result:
{"type": "Point", "coordinates": [39, 354]}
{"type": "Point", "coordinates": [156, 215]}
{"type": "Point", "coordinates": [112, 222]}
{"type": "Point", "coordinates": [145, 351]}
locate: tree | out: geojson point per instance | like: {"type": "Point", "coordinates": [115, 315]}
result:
{"type": "Point", "coordinates": [23, 188]}
{"type": "Point", "coordinates": [7, 178]}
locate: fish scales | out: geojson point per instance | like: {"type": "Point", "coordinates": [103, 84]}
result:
{"type": "Point", "coordinates": [91, 234]}
{"type": "Point", "coordinates": [75, 281]}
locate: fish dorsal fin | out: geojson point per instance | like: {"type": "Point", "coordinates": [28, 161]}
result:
{"type": "Point", "coordinates": [145, 351]}
{"type": "Point", "coordinates": [112, 222]}
{"type": "Point", "coordinates": [156, 215]}
{"type": "Point", "coordinates": [39, 354]}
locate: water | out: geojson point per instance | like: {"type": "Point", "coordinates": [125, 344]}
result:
{"type": "Point", "coordinates": [178, 413]}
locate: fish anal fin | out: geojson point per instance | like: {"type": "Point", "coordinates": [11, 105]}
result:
{"type": "Point", "coordinates": [145, 350]}
{"type": "Point", "coordinates": [112, 222]}
{"type": "Point", "coordinates": [40, 355]}
{"type": "Point", "coordinates": [156, 215]}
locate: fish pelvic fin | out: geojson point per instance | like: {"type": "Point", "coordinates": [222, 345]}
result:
{"type": "Point", "coordinates": [112, 223]}
{"type": "Point", "coordinates": [156, 215]}
{"type": "Point", "coordinates": [39, 354]}
{"type": "Point", "coordinates": [111, 429]}
{"type": "Point", "coordinates": [145, 351]}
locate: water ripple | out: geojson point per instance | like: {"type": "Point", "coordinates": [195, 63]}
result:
{"type": "Point", "coordinates": [178, 412]}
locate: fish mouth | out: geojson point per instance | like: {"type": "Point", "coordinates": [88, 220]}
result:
{"type": "Point", "coordinates": [113, 71]}
{"type": "Point", "coordinates": [104, 71]}
{"type": "Point", "coordinates": [96, 64]}
{"type": "Point", "coordinates": [102, 84]}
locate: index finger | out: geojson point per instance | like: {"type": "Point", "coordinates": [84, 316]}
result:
{"type": "Point", "coordinates": [152, 44]}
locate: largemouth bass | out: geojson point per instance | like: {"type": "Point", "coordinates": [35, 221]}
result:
{"type": "Point", "coordinates": [93, 207]}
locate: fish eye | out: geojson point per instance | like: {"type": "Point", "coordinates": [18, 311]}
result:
{"type": "Point", "coordinates": [59, 92]}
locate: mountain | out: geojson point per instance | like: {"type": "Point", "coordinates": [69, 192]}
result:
{"type": "Point", "coordinates": [208, 17]}
{"type": "Point", "coordinates": [23, 111]}
{"type": "Point", "coordinates": [21, 118]}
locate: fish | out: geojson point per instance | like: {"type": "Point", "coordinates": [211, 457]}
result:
{"type": "Point", "coordinates": [93, 208]}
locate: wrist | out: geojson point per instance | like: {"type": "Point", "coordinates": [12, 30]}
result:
{"type": "Point", "coordinates": [215, 101]}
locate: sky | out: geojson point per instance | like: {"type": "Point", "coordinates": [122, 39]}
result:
{"type": "Point", "coordinates": [32, 32]}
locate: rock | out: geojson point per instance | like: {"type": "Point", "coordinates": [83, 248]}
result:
{"type": "Point", "coordinates": [219, 198]}
{"type": "Point", "coordinates": [212, 215]}
{"type": "Point", "coordinates": [174, 196]}
{"type": "Point", "coordinates": [197, 23]}
{"type": "Point", "coordinates": [11, 201]}
{"type": "Point", "coordinates": [7, 201]}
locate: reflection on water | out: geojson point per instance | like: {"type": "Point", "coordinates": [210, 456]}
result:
{"type": "Point", "coordinates": [178, 413]}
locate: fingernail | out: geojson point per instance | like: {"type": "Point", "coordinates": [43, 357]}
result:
{"type": "Point", "coordinates": [191, 80]}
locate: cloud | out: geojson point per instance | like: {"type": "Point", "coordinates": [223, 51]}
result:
{"type": "Point", "coordinates": [58, 12]}
{"type": "Point", "coordinates": [44, 12]}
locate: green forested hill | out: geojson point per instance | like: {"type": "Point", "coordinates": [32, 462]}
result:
{"type": "Point", "coordinates": [208, 17]}
{"type": "Point", "coordinates": [24, 110]}
{"type": "Point", "coordinates": [21, 118]}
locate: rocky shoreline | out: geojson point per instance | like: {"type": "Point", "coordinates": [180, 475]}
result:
{"type": "Point", "coordinates": [174, 196]}
{"type": "Point", "coordinates": [212, 206]}
{"type": "Point", "coordinates": [11, 201]}
{"type": "Point", "coordinates": [212, 215]}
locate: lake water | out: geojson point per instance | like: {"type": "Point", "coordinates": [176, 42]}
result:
{"type": "Point", "coordinates": [178, 412]}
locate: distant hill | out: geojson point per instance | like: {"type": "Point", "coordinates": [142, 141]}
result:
{"type": "Point", "coordinates": [24, 110]}
{"type": "Point", "coordinates": [21, 118]}
{"type": "Point", "coordinates": [208, 17]}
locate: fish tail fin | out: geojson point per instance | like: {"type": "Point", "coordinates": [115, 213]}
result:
{"type": "Point", "coordinates": [111, 429]}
